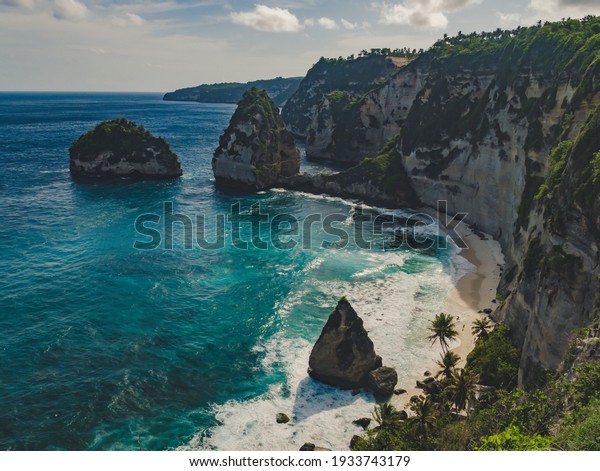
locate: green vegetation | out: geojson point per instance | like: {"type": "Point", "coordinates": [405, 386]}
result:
{"type": "Point", "coordinates": [495, 359]}
{"type": "Point", "coordinates": [481, 328]}
{"type": "Point", "coordinates": [558, 161]}
{"type": "Point", "coordinates": [443, 329]}
{"type": "Point", "coordinates": [256, 106]}
{"type": "Point", "coordinates": [121, 136]}
{"type": "Point", "coordinates": [353, 75]}
{"type": "Point", "coordinates": [563, 413]}
{"type": "Point", "coordinates": [279, 89]}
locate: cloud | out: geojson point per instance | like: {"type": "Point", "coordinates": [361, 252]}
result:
{"type": "Point", "coordinates": [327, 23]}
{"type": "Point", "coordinates": [347, 24]}
{"type": "Point", "coordinates": [264, 18]}
{"type": "Point", "coordinates": [128, 19]}
{"type": "Point", "coordinates": [509, 20]}
{"type": "Point", "coordinates": [421, 13]}
{"type": "Point", "coordinates": [72, 10]}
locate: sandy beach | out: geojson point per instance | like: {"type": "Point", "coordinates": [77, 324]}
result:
{"type": "Point", "coordinates": [473, 292]}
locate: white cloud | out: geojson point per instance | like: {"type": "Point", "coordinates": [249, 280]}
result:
{"type": "Point", "coordinates": [421, 13]}
{"type": "Point", "coordinates": [264, 18]}
{"type": "Point", "coordinates": [548, 10]}
{"type": "Point", "coordinates": [128, 19]}
{"type": "Point", "coordinates": [509, 20]}
{"type": "Point", "coordinates": [347, 24]}
{"type": "Point", "coordinates": [327, 23]}
{"type": "Point", "coordinates": [69, 10]}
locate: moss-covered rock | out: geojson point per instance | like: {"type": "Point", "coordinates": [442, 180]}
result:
{"type": "Point", "coordinates": [256, 151]}
{"type": "Point", "coordinates": [121, 148]}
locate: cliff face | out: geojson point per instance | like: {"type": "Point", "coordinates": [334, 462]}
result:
{"type": "Point", "coordinates": [353, 76]}
{"type": "Point", "coordinates": [555, 286]}
{"type": "Point", "coordinates": [120, 148]}
{"type": "Point", "coordinates": [475, 121]}
{"type": "Point", "coordinates": [256, 151]}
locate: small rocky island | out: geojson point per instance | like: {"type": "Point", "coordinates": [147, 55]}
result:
{"type": "Point", "coordinates": [344, 355]}
{"type": "Point", "coordinates": [121, 148]}
{"type": "Point", "coordinates": [256, 151]}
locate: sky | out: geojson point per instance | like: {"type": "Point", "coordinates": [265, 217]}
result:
{"type": "Point", "coordinates": [159, 46]}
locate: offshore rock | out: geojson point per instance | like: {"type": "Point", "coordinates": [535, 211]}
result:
{"type": "Point", "coordinates": [121, 148]}
{"type": "Point", "coordinates": [344, 354]}
{"type": "Point", "coordinates": [256, 151]}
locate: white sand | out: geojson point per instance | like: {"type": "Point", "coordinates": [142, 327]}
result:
{"type": "Point", "coordinates": [472, 293]}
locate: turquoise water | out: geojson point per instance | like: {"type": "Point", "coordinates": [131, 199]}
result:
{"type": "Point", "coordinates": [103, 346]}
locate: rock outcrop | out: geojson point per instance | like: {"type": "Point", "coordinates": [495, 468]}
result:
{"type": "Point", "coordinates": [344, 354]}
{"type": "Point", "coordinates": [382, 381]}
{"type": "Point", "coordinates": [121, 148]}
{"type": "Point", "coordinates": [256, 151]}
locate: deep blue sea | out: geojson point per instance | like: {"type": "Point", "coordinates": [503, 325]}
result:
{"type": "Point", "coordinates": [107, 347]}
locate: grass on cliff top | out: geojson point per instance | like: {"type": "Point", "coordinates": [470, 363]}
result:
{"type": "Point", "coordinates": [122, 137]}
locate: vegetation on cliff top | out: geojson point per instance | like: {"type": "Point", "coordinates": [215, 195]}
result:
{"type": "Point", "coordinates": [258, 108]}
{"type": "Point", "coordinates": [124, 138]}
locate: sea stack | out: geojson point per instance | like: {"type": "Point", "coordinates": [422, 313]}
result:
{"type": "Point", "coordinates": [344, 354]}
{"type": "Point", "coordinates": [256, 151]}
{"type": "Point", "coordinates": [121, 148]}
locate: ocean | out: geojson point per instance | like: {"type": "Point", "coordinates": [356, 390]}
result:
{"type": "Point", "coordinates": [106, 344]}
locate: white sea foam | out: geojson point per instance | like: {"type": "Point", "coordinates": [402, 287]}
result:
{"type": "Point", "coordinates": [396, 308]}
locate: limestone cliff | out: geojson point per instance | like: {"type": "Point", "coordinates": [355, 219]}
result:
{"type": "Point", "coordinates": [121, 148]}
{"type": "Point", "coordinates": [475, 120]}
{"type": "Point", "coordinates": [353, 76]}
{"type": "Point", "coordinates": [256, 151]}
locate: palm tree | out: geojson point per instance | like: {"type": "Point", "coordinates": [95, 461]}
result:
{"type": "Point", "coordinates": [386, 415]}
{"type": "Point", "coordinates": [443, 329]}
{"type": "Point", "coordinates": [423, 419]}
{"type": "Point", "coordinates": [463, 390]}
{"type": "Point", "coordinates": [447, 364]}
{"type": "Point", "coordinates": [481, 328]}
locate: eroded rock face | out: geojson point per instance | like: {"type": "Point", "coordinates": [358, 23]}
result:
{"type": "Point", "coordinates": [344, 354]}
{"type": "Point", "coordinates": [256, 151]}
{"type": "Point", "coordinates": [121, 148]}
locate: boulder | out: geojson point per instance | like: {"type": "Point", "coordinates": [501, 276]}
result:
{"type": "Point", "coordinates": [362, 422]}
{"type": "Point", "coordinates": [282, 418]}
{"type": "Point", "coordinates": [353, 441]}
{"type": "Point", "coordinates": [382, 381]}
{"type": "Point", "coordinates": [256, 151]}
{"type": "Point", "coordinates": [121, 148]}
{"type": "Point", "coordinates": [344, 354]}
{"type": "Point", "coordinates": [308, 447]}
{"type": "Point", "coordinates": [399, 391]}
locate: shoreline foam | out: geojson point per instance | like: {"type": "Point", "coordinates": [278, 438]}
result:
{"type": "Point", "coordinates": [324, 415]}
